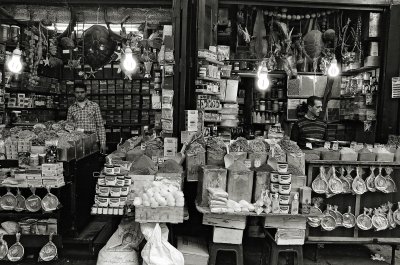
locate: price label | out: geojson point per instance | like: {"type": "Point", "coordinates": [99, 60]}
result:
{"type": "Point", "coordinates": [335, 146]}
{"type": "Point", "coordinates": [327, 145]}
{"type": "Point", "coordinates": [247, 163]}
{"type": "Point", "coordinates": [257, 163]}
{"type": "Point", "coordinates": [309, 145]}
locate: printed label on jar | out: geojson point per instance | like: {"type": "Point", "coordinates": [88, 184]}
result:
{"type": "Point", "coordinates": [282, 167]}
{"type": "Point", "coordinates": [285, 179]}
{"type": "Point", "coordinates": [274, 187]}
{"type": "Point", "coordinates": [284, 208]}
{"type": "Point", "coordinates": [115, 192]}
{"type": "Point", "coordinates": [117, 170]}
{"type": "Point", "coordinates": [104, 191]}
{"type": "Point", "coordinates": [114, 202]}
{"type": "Point", "coordinates": [284, 189]}
{"type": "Point", "coordinates": [110, 181]}
{"type": "Point", "coordinates": [103, 201]}
{"type": "Point", "coordinates": [284, 199]}
{"type": "Point", "coordinates": [274, 177]}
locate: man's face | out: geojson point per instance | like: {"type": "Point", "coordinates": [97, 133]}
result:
{"type": "Point", "coordinates": [80, 94]}
{"type": "Point", "coordinates": [316, 109]}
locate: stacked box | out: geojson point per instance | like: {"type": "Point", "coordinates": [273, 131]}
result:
{"type": "Point", "coordinates": [52, 171]}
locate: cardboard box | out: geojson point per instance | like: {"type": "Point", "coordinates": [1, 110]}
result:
{"type": "Point", "coordinates": [305, 195]}
{"type": "Point", "coordinates": [286, 236]}
{"type": "Point", "coordinates": [191, 120]}
{"type": "Point", "coordinates": [170, 146]}
{"type": "Point", "coordinates": [227, 235]}
{"type": "Point", "coordinates": [194, 250]}
{"type": "Point", "coordinates": [285, 221]}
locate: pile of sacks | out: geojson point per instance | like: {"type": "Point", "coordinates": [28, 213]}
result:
{"type": "Point", "coordinates": [219, 203]}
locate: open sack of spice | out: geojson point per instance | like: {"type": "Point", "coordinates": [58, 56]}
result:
{"type": "Point", "coordinates": [123, 245]}
{"type": "Point", "coordinates": [216, 151]}
{"type": "Point", "coordinates": [294, 154]}
{"type": "Point", "coordinates": [258, 152]}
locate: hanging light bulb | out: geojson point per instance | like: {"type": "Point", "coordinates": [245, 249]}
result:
{"type": "Point", "coordinates": [15, 63]}
{"type": "Point", "coordinates": [333, 69]}
{"type": "Point", "coordinates": [129, 63]}
{"type": "Point", "coordinates": [262, 75]}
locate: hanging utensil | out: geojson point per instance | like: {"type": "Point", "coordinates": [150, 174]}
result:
{"type": "Point", "coordinates": [50, 202]}
{"type": "Point", "coordinates": [339, 216]}
{"type": "Point", "coordinates": [379, 220]}
{"type": "Point", "coordinates": [392, 223]}
{"type": "Point", "coordinates": [3, 247]}
{"type": "Point", "coordinates": [345, 182]}
{"type": "Point", "coordinates": [320, 185]}
{"type": "Point", "coordinates": [364, 221]}
{"type": "Point", "coordinates": [349, 220]}
{"type": "Point", "coordinates": [8, 201]}
{"type": "Point", "coordinates": [33, 203]}
{"type": "Point", "coordinates": [380, 181]}
{"type": "Point", "coordinates": [315, 210]}
{"type": "Point", "coordinates": [328, 221]}
{"type": "Point", "coordinates": [370, 181]}
{"type": "Point", "coordinates": [390, 184]}
{"type": "Point", "coordinates": [20, 202]}
{"type": "Point", "coordinates": [396, 214]}
{"type": "Point", "coordinates": [49, 251]}
{"type": "Point", "coordinates": [349, 178]}
{"type": "Point", "coordinates": [16, 252]}
{"type": "Point", "coordinates": [358, 184]}
{"type": "Point", "coordinates": [335, 185]}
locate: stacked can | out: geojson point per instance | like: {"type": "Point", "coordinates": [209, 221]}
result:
{"type": "Point", "coordinates": [111, 191]}
{"type": "Point", "coordinates": [281, 184]}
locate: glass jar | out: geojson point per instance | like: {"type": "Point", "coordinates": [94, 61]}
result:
{"type": "Point", "coordinates": [275, 106]}
{"type": "Point", "coordinates": [280, 106]}
{"type": "Point", "coordinates": [269, 105]}
{"type": "Point", "coordinates": [280, 92]}
{"type": "Point", "coordinates": [236, 66]}
{"type": "Point", "coordinates": [262, 105]}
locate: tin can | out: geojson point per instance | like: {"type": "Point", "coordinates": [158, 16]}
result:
{"type": "Point", "coordinates": [284, 209]}
{"type": "Point", "coordinates": [274, 187]}
{"type": "Point", "coordinates": [14, 33]}
{"type": "Point", "coordinates": [274, 177]}
{"type": "Point", "coordinates": [284, 199]}
{"type": "Point", "coordinates": [285, 178]}
{"type": "Point", "coordinates": [4, 32]}
{"type": "Point", "coordinates": [285, 188]}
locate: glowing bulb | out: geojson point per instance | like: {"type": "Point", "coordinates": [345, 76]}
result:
{"type": "Point", "coordinates": [129, 62]}
{"type": "Point", "coordinates": [333, 69]}
{"type": "Point", "coordinates": [15, 63]}
{"type": "Point", "coordinates": [262, 75]}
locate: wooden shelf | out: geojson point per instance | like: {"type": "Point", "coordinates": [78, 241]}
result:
{"type": "Point", "coordinates": [36, 108]}
{"type": "Point", "coordinates": [211, 60]}
{"type": "Point", "coordinates": [206, 92]}
{"type": "Point", "coordinates": [246, 73]}
{"type": "Point", "coordinates": [355, 163]}
{"type": "Point", "coordinates": [210, 79]}
{"type": "Point", "coordinates": [360, 70]}
{"type": "Point", "coordinates": [34, 241]}
{"type": "Point", "coordinates": [27, 91]}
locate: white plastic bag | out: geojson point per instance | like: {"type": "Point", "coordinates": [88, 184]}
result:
{"type": "Point", "coordinates": [158, 251]}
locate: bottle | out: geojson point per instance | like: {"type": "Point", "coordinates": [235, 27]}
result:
{"type": "Point", "coordinates": [294, 209]}
{"type": "Point", "coordinates": [258, 119]}
{"type": "Point", "coordinates": [262, 118]}
{"type": "Point", "coordinates": [254, 117]}
{"type": "Point", "coordinates": [275, 203]}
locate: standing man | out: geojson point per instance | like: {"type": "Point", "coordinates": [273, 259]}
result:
{"type": "Point", "coordinates": [86, 115]}
{"type": "Point", "coordinates": [311, 125]}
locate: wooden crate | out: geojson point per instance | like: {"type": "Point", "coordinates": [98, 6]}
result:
{"type": "Point", "coordinates": [223, 220]}
{"type": "Point", "coordinates": [227, 235]}
{"type": "Point", "coordinates": [162, 214]}
{"type": "Point", "coordinates": [285, 221]}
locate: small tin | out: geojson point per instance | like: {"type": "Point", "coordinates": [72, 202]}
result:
{"type": "Point", "coordinates": [103, 191]}
{"type": "Point", "coordinates": [274, 187]}
{"type": "Point", "coordinates": [284, 188]}
{"type": "Point", "coordinates": [125, 191]}
{"type": "Point", "coordinates": [274, 177]}
{"type": "Point", "coordinates": [120, 181]}
{"type": "Point", "coordinates": [283, 168]}
{"type": "Point", "coordinates": [111, 180]}
{"type": "Point", "coordinates": [103, 201]}
{"type": "Point", "coordinates": [285, 178]}
{"type": "Point", "coordinates": [115, 191]}
{"type": "Point", "coordinates": [128, 181]}
{"type": "Point", "coordinates": [101, 181]}
{"type": "Point", "coordinates": [117, 169]}
{"type": "Point", "coordinates": [122, 200]}
{"type": "Point", "coordinates": [284, 209]}
{"type": "Point", "coordinates": [114, 202]}
{"type": "Point", "coordinates": [109, 169]}
{"type": "Point", "coordinates": [284, 199]}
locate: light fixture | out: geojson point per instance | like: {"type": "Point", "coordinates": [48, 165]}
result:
{"type": "Point", "coordinates": [14, 64]}
{"type": "Point", "coordinates": [128, 62]}
{"type": "Point", "coordinates": [262, 75]}
{"type": "Point", "coordinates": [333, 69]}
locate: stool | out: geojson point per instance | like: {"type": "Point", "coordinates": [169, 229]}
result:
{"type": "Point", "coordinates": [276, 249]}
{"type": "Point", "coordinates": [215, 247]}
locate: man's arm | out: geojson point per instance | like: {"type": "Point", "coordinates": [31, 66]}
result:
{"type": "Point", "coordinates": [101, 132]}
